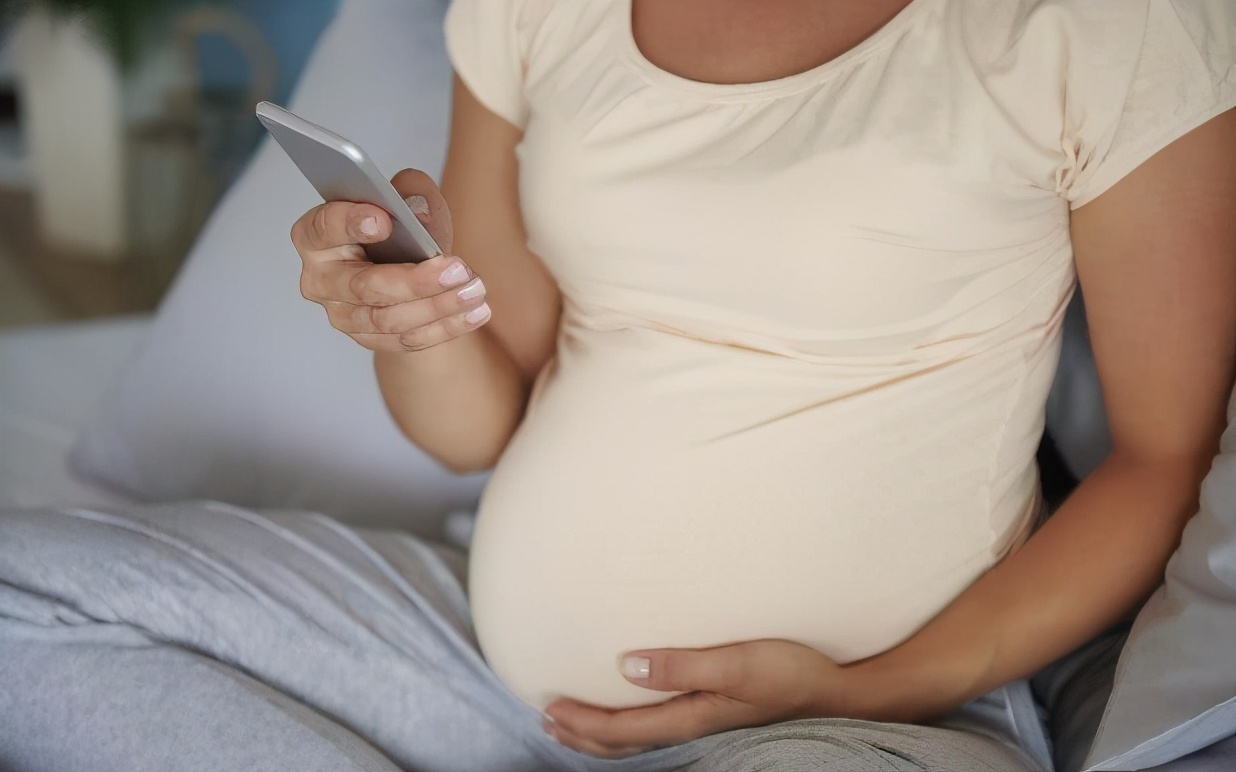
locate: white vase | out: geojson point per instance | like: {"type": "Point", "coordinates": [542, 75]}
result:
{"type": "Point", "coordinates": [72, 117]}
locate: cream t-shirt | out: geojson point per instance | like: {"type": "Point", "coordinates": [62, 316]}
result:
{"type": "Point", "coordinates": [810, 324]}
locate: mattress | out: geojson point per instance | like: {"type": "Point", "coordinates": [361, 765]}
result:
{"type": "Point", "coordinates": [52, 379]}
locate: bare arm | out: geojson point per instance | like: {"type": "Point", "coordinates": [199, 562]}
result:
{"type": "Point", "coordinates": [1156, 256]}
{"type": "Point", "coordinates": [462, 400]}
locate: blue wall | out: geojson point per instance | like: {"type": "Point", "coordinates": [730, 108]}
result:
{"type": "Point", "coordinates": [291, 26]}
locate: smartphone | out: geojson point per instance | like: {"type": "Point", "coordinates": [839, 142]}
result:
{"type": "Point", "coordinates": [340, 171]}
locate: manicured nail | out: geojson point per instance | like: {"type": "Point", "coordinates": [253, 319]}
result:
{"type": "Point", "coordinates": [636, 667]}
{"type": "Point", "coordinates": [454, 275]}
{"type": "Point", "coordinates": [369, 226]}
{"type": "Point", "coordinates": [417, 204]}
{"type": "Point", "coordinates": [472, 291]}
{"type": "Point", "coordinates": [478, 314]}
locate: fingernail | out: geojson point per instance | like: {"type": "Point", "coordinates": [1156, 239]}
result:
{"type": "Point", "coordinates": [636, 667]}
{"type": "Point", "coordinates": [454, 275]}
{"type": "Point", "coordinates": [417, 204]}
{"type": "Point", "coordinates": [478, 314]}
{"type": "Point", "coordinates": [369, 226]}
{"type": "Point", "coordinates": [472, 291]}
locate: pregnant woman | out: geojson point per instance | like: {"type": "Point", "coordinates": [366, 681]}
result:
{"type": "Point", "coordinates": [753, 309]}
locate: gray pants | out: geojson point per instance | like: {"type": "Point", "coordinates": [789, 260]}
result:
{"type": "Point", "coordinates": [199, 636]}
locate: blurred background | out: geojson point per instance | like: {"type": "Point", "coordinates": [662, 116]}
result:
{"type": "Point", "coordinates": [121, 124]}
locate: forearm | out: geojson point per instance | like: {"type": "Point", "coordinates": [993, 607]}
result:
{"type": "Point", "coordinates": [1090, 564]}
{"type": "Point", "coordinates": [460, 401]}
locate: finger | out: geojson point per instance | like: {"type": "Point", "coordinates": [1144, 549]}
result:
{"type": "Point", "coordinates": [384, 343]}
{"type": "Point", "coordinates": [722, 670]}
{"type": "Point", "coordinates": [428, 336]}
{"type": "Point", "coordinates": [445, 329]}
{"type": "Point", "coordinates": [339, 223]}
{"type": "Point", "coordinates": [368, 284]}
{"type": "Point", "coordinates": [437, 219]}
{"type": "Point", "coordinates": [591, 747]}
{"type": "Point", "coordinates": [420, 208]}
{"type": "Point", "coordinates": [403, 317]}
{"type": "Point", "coordinates": [678, 720]}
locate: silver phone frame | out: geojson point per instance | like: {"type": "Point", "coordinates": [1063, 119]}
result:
{"type": "Point", "coordinates": [341, 171]}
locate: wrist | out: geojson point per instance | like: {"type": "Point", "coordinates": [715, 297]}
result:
{"type": "Point", "coordinates": [910, 685]}
{"type": "Point", "coordinates": [878, 692]}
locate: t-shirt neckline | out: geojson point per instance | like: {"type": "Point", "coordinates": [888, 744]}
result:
{"type": "Point", "coordinates": [765, 88]}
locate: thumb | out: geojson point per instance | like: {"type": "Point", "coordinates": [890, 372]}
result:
{"type": "Point", "coordinates": [419, 206]}
{"type": "Point", "coordinates": [719, 670]}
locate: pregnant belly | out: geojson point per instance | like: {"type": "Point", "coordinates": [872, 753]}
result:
{"type": "Point", "coordinates": [595, 538]}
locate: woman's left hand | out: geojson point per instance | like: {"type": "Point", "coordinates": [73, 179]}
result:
{"type": "Point", "coordinates": [728, 687]}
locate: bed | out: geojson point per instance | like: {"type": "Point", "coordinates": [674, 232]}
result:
{"type": "Point", "coordinates": [51, 381]}
{"type": "Point", "coordinates": [237, 390]}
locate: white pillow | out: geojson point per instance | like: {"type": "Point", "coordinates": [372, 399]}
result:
{"type": "Point", "coordinates": [244, 393]}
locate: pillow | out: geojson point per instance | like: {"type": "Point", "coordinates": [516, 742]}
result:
{"type": "Point", "coordinates": [1175, 685]}
{"type": "Point", "coordinates": [1076, 415]}
{"type": "Point", "coordinates": [244, 393]}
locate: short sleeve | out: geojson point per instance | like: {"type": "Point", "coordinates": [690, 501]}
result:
{"type": "Point", "coordinates": [484, 43]}
{"type": "Point", "coordinates": [1183, 74]}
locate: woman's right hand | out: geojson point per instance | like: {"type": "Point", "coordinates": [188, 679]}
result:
{"type": "Point", "coordinates": [396, 306]}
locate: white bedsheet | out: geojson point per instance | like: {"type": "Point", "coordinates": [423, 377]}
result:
{"type": "Point", "coordinates": [51, 380]}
